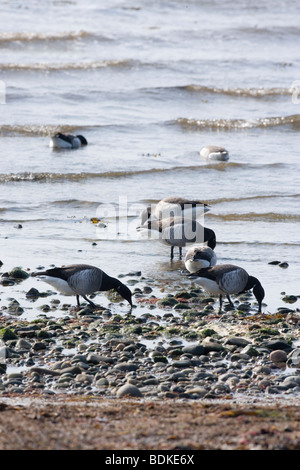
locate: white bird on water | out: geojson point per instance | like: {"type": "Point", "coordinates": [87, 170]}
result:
{"type": "Point", "coordinates": [214, 152]}
{"type": "Point", "coordinates": [227, 279]}
{"type": "Point", "coordinates": [67, 141]}
{"type": "Point", "coordinates": [82, 280]}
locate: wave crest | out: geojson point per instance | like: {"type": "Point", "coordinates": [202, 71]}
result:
{"type": "Point", "coordinates": [230, 124]}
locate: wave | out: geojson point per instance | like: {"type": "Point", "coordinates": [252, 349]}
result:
{"type": "Point", "coordinates": [37, 130]}
{"type": "Point", "coordinates": [254, 217]}
{"type": "Point", "coordinates": [251, 198]}
{"type": "Point", "coordinates": [20, 37]}
{"type": "Point", "coordinates": [56, 67]}
{"type": "Point", "coordinates": [74, 177]}
{"type": "Point", "coordinates": [229, 124]}
{"type": "Point", "coordinates": [246, 92]}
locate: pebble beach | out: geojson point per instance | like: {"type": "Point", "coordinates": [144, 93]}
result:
{"type": "Point", "coordinates": [177, 347]}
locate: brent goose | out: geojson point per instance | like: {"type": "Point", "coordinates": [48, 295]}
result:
{"type": "Point", "coordinates": [82, 280]}
{"type": "Point", "coordinates": [198, 257]}
{"type": "Point", "coordinates": [173, 206]}
{"type": "Point", "coordinates": [227, 279]}
{"type": "Point", "coordinates": [178, 231]}
{"type": "Point", "coordinates": [213, 152]}
{"type": "Point", "coordinates": [67, 141]}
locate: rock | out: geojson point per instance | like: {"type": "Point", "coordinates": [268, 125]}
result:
{"type": "Point", "coordinates": [284, 265]}
{"type": "Point", "coordinates": [212, 345]}
{"type": "Point", "coordinates": [290, 299]}
{"type": "Point", "coordinates": [167, 302]}
{"type": "Point", "coordinates": [33, 293]}
{"type": "Point", "coordinates": [278, 356]}
{"type": "Point", "coordinates": [23, 344]}
{"type": "Point", "coordinates": [129, 390]}
{"type": "Point", "coordinates": [181, 306]}
{"type": "Point", "coordinates": [277, 344]}
{"type": "Point", "coordinates": [126, 367]}
{"type": "Point", "coordinates": [7, 334]}
{"type": "Point", "coordinates": [250, 350]}
{"type": "Point", "coordinates": [237, 341]}
{"type": "Point", "coordinates": [18, 273]}
{"type": "Point", "coordinates": [194, 349]}
{"type": "Point", "coordinates": [97, 358]}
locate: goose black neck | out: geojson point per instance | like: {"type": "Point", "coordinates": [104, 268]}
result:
{"type": "Point", "coordinates": [258, 291]}
{"type": "Point", "coordinates": [109, 282]}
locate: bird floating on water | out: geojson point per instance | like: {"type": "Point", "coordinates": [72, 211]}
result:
{"type": "Point", "coordinates": [173, 206]}
{"type": "Point", "coordinates": [214, 152]}
{"type": "Point", "coordinates": [227, 279]}
{"type": "Point", "coordinates": [82, 280]}
{"type": "Point", "coordinates": [178, 231]}
{"type": "Point", "coordinates": [198, 257]}
{"type": "Point", "coordinates": [67, 141]}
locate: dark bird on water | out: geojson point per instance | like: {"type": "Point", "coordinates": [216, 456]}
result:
{"type": "Point", "coordinates": [227, 279]}
{"type": "Point", "coordinates": [82, 280]}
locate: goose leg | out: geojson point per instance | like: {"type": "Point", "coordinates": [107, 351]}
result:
{"type": "Point", "coordinates": [230, 301]}
{"type": "Point", "coordinates": [172, 252]}
{"type": "Point", "coordinates": [220, 300]}
{"type": "Point", "coordinates": [77, 298]}
{"type": "Point", "coordinates": [89, 301]}
{"type": "Point", "coordinates": [180, 252]}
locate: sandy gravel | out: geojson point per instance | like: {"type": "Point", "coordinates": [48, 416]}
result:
{"type": "Point", "coordinates": [101, 424]}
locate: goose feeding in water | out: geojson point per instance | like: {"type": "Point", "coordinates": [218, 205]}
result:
{"type": "Point", "coordinates": [227, 279]}
{"type": "Point", "coordinates": [213, 152]}
{"type": "Point", "coordinates": [178, 231]}
{"type": "Point", "coordinates": [198, 257]}
{"type": "Point", "coordinates": [82, 280]}
{"type": "Point", "coordinates": [173, 206]}
{"type": "Point", "coordinates": [67, 141]}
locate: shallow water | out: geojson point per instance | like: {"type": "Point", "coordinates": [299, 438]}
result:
{"type": "Point", "coordinates": [149, 84]}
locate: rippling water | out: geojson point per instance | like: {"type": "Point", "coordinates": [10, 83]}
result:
{"type": "Point", "coordinates": [149, 84]}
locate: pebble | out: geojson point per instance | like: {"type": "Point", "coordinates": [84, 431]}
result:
{"type": "Point", "coordinates": [278, 356]}
{"type": "Point", "coordinates": [129, 390]}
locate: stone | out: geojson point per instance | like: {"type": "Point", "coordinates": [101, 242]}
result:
{"type": "Point", "coordinates": [194, 349]}
{"type": "Point", "coordinates": [278, 356]}
{"type": "Point", "coordinates": [129, 390]}
{"type": "Point", "coordinates": [18, 273]}
{"type": "Point", "coordinates": [212, 345]}
{"type": "Point", "coordinates": [237, 341]}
